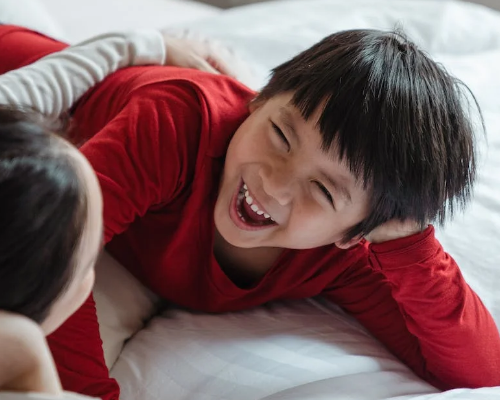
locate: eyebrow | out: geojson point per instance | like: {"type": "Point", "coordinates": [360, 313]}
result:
{"type": "Point", "coordinates": [339, 187]}
{"type": "Point", "coordinates": [287, 118]}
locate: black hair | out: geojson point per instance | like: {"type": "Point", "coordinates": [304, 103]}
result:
{"type": "Point", "coordinates": [43, 209]}
{"type": "Point", "coordinates": [399, 120]}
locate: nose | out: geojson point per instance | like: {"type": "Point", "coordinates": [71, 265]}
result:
{"type": "Point", "coordinates": [277, 182]}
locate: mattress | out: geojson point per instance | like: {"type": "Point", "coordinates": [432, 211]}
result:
{"type": "Point", "coordinates": [305, 349]}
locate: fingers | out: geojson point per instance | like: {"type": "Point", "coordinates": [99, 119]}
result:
{"type": "Point", "coordinates": [194, 54]}
{"type": "Point", "coordinates": [203, 65]}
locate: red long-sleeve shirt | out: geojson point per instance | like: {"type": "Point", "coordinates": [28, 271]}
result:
{"type": "Point", "coordinates": [156, 138]}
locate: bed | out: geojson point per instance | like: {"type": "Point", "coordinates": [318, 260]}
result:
{"type": "Point", "coordinates": [305, 349]}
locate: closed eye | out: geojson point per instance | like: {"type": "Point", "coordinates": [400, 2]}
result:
{"type": "Point", "coordinates": [325, 191]}
{"type": "Point", "coordinates": [281, 135]}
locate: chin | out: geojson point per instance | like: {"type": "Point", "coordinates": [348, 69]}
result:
{"type": "Point", "coordinates": [236, 237]}
{"type": "Point", "coordinates": [49, 326]}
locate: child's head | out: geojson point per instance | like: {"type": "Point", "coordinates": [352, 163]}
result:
{"type": "Point", "coordinates": [50, 218]}
{"type": "Point", "coordinates": [359, 129]}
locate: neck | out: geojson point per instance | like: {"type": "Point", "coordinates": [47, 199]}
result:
{"type": "Point", "coordinates": [251, 263]}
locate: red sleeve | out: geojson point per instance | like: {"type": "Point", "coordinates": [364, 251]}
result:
{"type": "Point", "coordinates": [77, 350]}
{"type": "Point", "coordinates": [20, 47]}
{"type": "Point", "coordinates": [413, 298]}
{"type": "Point", "coordinates": [145, 154]}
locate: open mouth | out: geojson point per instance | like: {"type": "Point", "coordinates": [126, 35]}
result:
{"type": "Point", "coordinates": [247, 213]}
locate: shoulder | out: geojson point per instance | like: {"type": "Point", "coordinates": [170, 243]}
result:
{"type": "Point", "coordinates": [218, 103]}
{"type": "Point", "coordinates": [22, 341]}
{"type": "Point", "coordinates": [173, 96]}
{"type": "Point", "coordinates": [22, 334]}
{"type": "Point", "coordinates": [220, 97]}
{"type": "Point", "coordinates": [151, 81]}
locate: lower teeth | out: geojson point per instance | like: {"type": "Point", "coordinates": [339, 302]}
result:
{"type": "Point", "coordinates": [241, 196]}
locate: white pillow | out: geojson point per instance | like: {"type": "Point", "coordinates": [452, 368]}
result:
{"type": "Point", "coordinates": [123, 304]}
{"type": "Point", "coordinates": [83, 19]}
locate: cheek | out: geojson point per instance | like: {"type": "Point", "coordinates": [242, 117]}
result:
{"type": "Point", "coordinates": [78, 293]}
{"type": "Point", "coordinates": [311, 225]}
{"type": "Point", "coordinates": [248, 142]}
{"type": "Point", "coordinates": [86, 287]}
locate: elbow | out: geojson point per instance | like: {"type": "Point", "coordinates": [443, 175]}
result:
{"type": "Point", "coordinates": [477, 374]}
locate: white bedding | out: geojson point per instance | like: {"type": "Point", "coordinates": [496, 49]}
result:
{"type": "Point", "coordinates": [293, 350]}
{"type": "Point", "coordinates": [305, 349]}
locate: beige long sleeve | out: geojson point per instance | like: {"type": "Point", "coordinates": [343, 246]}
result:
{"type": "Point", "coordinates": [54, 83]}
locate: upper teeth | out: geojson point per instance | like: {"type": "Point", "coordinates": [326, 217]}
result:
{"type": "Point", "coordinates": [254, 207]}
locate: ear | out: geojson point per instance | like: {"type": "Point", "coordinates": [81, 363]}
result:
{"type": "Point", "coordinates": [353, 242]}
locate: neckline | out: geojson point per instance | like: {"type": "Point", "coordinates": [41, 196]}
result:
{"type": "Point", "coordinates": [225, 284]}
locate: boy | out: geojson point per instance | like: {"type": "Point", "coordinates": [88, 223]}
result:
{"type": "Point", "coordinates": [324, 184]}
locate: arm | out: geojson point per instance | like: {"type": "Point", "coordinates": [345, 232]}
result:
{"type": "Point", "coordinates": [54, 83]}
{"type": "Point", "coordinates": [153, 138]}
{"type": "Point", "coordinates": [413, 298]}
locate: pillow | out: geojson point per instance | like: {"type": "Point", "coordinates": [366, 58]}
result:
{"type": "Point", "coordinates": [123, 305]}
{"type": "Point", "coordinates": [83, 19]}
{"type": "Point", "coordinates": [31, 14]}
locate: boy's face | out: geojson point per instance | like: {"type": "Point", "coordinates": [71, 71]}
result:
{"type": "Point", "coordinates": [280, 189]}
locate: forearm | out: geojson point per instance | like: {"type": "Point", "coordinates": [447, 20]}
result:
{"type": "Point", "coordinates": [457, 337]}
{"type": "Point", "coordinates": [54, 83]}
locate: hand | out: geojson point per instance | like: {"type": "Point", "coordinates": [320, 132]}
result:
{"type": "Point", "coordinates": [393, 229]}
{"type": "Point", "coordinates": [197, 54]}
{"type": "Point", "coordinates": [26, 364]}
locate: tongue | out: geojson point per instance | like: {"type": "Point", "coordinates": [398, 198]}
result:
{"type": "Point", "coordinates": [251, 216]}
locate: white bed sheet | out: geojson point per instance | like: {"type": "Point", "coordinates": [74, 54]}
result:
{"type": "Point", "coordinates": [303, 350]}
{"type": "Point", "coordinates": [293, 350]}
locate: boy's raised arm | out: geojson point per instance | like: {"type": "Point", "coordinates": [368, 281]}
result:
{"type": "Point", "coordinates": [413, 298]}
{"type": "Point", "coordinates": [54, 83]}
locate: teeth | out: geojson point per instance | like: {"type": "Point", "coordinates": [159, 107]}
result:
{"type": "Point", "coordinates": [254, 207]}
